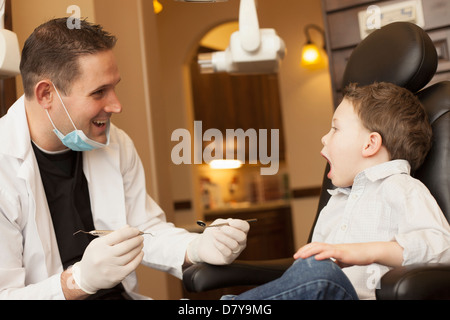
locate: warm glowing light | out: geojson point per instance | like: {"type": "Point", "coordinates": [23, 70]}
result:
{"type": "Point", "coordinates": [311, 54]}
{"type": "Point", "coordinates": [225, 164]}
{"type": "Point", "coordinates": [312, 58]}
{"type": "Point", "coordinates": [157, 7]}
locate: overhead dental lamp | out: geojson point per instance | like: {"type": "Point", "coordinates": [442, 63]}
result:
{"type": "Point", "coordinates": [9, 48]}
{"type": "Point", "coordinates": [251, 50]}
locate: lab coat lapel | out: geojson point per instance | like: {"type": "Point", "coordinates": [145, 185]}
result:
{"type": "Point", "coordinates": [102, 170]}
{"type": "Point", "coordinates": [38, 206]}
{"type": "Point", "coordinates": [19, 147]}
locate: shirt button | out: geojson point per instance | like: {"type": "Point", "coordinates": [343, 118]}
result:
{"type": "Point", "coordinates": [344, 227]}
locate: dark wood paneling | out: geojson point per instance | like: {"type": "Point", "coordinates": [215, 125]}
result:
{"type": "Point", "coordinates": [271, 237]}
{"type": "Point", "coordinates": [333, 5]}
{"type": "Point", "coordinates": [223, 101]}
{"type": "Point", "coordinates": [306, 192]}
{"type": "Point", "coordinates": [342, 33]}
{"type": "Point", "coordinates": [182, 205]}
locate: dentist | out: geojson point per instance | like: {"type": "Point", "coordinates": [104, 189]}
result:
{"type": "Point", "coordinates": [65, 167]}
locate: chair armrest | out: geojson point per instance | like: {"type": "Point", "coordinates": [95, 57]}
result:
{"type": "Point", "coordinates": [202, 277]}
{"type": "Point", "coordinates": [416, 282]}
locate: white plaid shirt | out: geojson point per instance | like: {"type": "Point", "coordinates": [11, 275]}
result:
{"type": "Point", "coordinates": [385, 204]}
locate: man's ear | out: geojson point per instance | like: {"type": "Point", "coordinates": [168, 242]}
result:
{"type": "Point", "coordinates": [372, 145]}
{"type": "Point", "coordinates": [44, 93]}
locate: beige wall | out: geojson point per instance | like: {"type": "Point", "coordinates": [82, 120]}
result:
{"type": "Point", "coordinates": [153, 55]}
{"type": "Point", "coordinates": [28, 14]}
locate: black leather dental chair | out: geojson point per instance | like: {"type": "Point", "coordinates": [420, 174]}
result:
{"type": "Point", "coordinates": [404, 54]}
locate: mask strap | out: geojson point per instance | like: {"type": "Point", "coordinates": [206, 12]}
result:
{"type": "Point", "coordinates": [65, 109]}
{"type": "Point", "coordinates": [48, 115]}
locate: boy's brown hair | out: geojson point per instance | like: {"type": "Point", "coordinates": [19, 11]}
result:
{"type": "Point", "coordinates": [397, 115]}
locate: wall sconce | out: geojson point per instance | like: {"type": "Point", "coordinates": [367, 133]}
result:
{"type": "Point", "coordinates": [157, 6]}
{"type": "Point", "coordinates": [312, 56]}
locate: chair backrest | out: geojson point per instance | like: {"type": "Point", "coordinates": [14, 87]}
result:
{"type": "Point", "coordinates": [435, 171]}
{"type": "Point", "coordinates": [403, 54]}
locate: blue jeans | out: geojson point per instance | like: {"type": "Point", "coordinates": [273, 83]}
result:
{"type": "Point", "coordinates": [307, 279]}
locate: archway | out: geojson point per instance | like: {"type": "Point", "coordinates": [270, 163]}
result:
{"type": "Point", "coordinates": [249, 102]}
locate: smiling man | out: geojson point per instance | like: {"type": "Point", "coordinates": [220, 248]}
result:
{"type": "Point", "coordinates": [87, 108]}
{"type": "Point", "coordinates": [66, 167]}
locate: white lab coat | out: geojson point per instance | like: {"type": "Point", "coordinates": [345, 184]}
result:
{"type": "Point", "coordinates": [30, 265]}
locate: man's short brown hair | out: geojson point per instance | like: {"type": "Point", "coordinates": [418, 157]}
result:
{"type": "Point", "coordinates": [52, 52]}
{"type": "Point", "coordinates": [397, 115]}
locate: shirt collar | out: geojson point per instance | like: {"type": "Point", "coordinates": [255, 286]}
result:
{"type": "Point", "coordinates": [378, 172]}
{"type": "Point", "coordinates": [387, 169]}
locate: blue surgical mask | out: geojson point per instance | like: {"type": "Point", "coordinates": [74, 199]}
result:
{"type": "Point", "coordinates": [77, 140]}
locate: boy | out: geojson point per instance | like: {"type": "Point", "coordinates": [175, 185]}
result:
{"type": "Point", "coordinates": [379, 216]}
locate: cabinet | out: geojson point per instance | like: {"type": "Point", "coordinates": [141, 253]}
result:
{"type": "Point", "coordinates": [271, 237]}
{"type": "Point", "coordinates": [343, 34]}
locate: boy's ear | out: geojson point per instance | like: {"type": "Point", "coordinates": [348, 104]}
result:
{"type": "Point", "coordinates": [44, 92]}
{"type": "Point", "coordinates": [373, 145]}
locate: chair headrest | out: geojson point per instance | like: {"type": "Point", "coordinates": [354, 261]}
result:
{"type": "Point", "coordinates": [400, 53]}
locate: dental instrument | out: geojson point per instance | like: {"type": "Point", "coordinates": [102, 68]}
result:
{"type": "Point", "coordinates": [203, 224]}
{"type": "Point", "coordinates": [99, 233]}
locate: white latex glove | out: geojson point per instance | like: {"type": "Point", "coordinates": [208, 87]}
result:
{"type": "Point", "coordinates": [108, 260]}
{"type": "Point", "coordinates": [219, 245]}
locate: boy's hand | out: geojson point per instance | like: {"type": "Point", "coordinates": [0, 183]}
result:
{"type": "Point", "coordinates": [345, 254]}
{"type": "Point", "coordinates": [349, 254]}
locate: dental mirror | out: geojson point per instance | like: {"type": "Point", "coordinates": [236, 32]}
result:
{"type": "Point", "coordinates": [203, 224]}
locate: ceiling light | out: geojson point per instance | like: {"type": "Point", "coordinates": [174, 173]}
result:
{"type": "Point", "coordinates": [225, 164]}
{"type": "Point", "coordinates": [204, 1]}
{"type": "Point", "coordinates": [157, 6]}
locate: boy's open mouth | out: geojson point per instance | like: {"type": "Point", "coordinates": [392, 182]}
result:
{"type": "Point", "coordinates": [329, 163]}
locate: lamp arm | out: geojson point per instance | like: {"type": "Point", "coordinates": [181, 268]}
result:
{"type": "Point", "coordinates": [249, 26]}
{"type": "Point", "coordinates": [317, 28]}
